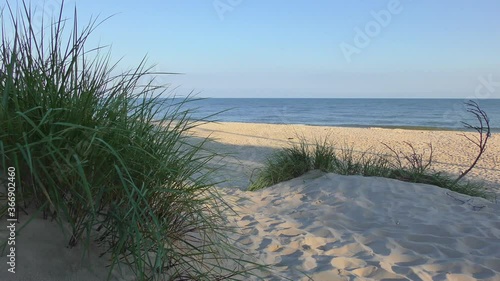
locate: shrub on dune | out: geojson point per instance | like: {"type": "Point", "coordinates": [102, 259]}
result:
{"type": "Point", "coordinates": [410, 166]}
{"type": "Point", "coordinates": [285, 164]}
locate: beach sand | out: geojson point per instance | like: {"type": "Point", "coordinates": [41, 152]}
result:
{"type": "Point", "coordinates": [326, 226]}
{"type": "Point", "coordinates": [333, 227]}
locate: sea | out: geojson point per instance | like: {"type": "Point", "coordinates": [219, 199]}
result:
{"type": "Point", "coordinates": [444, 114]}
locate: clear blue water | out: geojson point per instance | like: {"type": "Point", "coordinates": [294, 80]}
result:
{"type": "Point", "coordinates": [399, 113]}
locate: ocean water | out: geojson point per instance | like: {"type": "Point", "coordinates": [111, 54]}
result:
{"type": "Point", "coordinates": [391, 113]}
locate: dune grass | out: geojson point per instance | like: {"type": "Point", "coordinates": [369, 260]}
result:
{"type": "Point", "coordinates": [287, 164]}
{"type": "Point", "coordinates": [87, 153]}
{"type": "Point", "coordinates": [323, 155]}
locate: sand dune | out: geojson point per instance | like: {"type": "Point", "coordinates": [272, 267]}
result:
{"type": "Point", "coordinates": [334, 227]}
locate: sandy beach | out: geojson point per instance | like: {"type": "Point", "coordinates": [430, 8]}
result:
{"type": "Point", "coordinates": [334, 227]}
{"type": "Point", "coordinates": [326, 226]}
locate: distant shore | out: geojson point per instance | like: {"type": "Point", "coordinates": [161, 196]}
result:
{"type": "Point", "coordinates": [414, 128]}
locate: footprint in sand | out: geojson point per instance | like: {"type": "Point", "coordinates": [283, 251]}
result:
{"type": "Point", "coordinates": [347, 263]}
{"type": "Point", "coordinates": [379, 247]}
{"type": "Point", "coordinates": [406, 260]}
{"type": "Point", "coordinates": [346, 250]}
{"type": "Point", "coordinates": [274, 248]}
{"type": "Point", "coordinates": [310, 263]}
{"type": "Point", "coordinates": [377, 273]}
{"type": "Point", "coordinates": [245, 241]}
{"type": "Point", "coordinates": [246, 224]}
{"type": "Point", "coordinates": [291, 232]}
{"type": "Point", "coordinates": [247, 221]}
{"type": "Point", "coordinates": [290, 258]}
{"type": "Point", "coordinates": [264, 244]}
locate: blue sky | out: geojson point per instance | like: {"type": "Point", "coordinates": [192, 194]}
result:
{"type": "Point", "coordinates": [287, 48]}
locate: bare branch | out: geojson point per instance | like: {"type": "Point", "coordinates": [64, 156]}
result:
{"type": "Point", "coordinates": [413, 160]}
{"type": "Point", "coordinates": [483, 130]}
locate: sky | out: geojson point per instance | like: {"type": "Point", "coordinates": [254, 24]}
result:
{"type": "Point", "coordinates": [307, 49]}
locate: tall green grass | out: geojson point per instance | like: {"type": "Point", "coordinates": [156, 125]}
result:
{"type": "Point", "coordinates": [323, 155]}
{"type": "Point", "coordinates": [286, 164]}
{"type": "Point", "coordinates": [87, 152]}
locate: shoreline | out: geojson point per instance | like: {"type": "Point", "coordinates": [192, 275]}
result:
{"type": "Point", "coordinates": [395, 127]}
